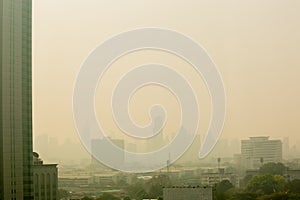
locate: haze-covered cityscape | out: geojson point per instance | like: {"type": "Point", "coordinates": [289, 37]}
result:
{"type": "Point", "coordinates": [149, 100]}
{"type": "Point", "coordinates": [83, 175]}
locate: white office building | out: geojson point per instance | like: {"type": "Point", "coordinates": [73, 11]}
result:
{"type": "Point", "coordinates": [257, 151]}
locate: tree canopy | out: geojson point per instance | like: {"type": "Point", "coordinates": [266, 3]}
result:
{"type": "Point", "coordinates": [266, 184]}
{"type": "Point", "coordinates": [273, 169]}
{"type": "Point", "coordinates": [222, 188]}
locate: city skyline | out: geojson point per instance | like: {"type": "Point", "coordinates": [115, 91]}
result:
{"type": "Point", "coordinates": [158, 78]}
{"type": "Point", "coordinates": [73, 152]}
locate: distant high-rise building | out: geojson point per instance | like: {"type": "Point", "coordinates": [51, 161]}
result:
{"type": "Point", "coordinates": [99, 146]}
{"type": "Point", "coordinates": [16, 180]}
{"type": "Point", "coordinates": [259, 150]}
{"type": "Point", "coordinates": [191, 154]}
{"type": "Point", "coordinates": [157, 141]}
{"type": "Point", "coordinates": [286, 147]}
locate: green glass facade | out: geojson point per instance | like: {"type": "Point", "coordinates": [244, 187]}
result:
{"type": "Point", "coordinates": [16, 175]}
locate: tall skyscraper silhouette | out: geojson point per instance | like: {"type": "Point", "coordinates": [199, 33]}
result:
{"type": "Point", "coordinates": [16, 180]}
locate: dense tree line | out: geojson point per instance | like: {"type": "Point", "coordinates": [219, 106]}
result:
{"type": "Point", "coordinates": [268, 185]}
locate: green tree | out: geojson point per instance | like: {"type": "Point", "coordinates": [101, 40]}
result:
{"type": "Point", "coordinates": [245, 180]}
{"type": "Point", "coordinates": [136, 191]}
{"type": "Point", "coordinates": [294, 186]}
{"type": "Point", "coordinates": [155, 191]}
{"type": "Point", "coordinates": [221, 189]}
{"type": "Point", "coordinates": [275, 196]}
{"type": "Point", "coordinates": [273, 169]}
{"type": "Point", "coordinates": [266, 184]}
{"type": "Point", "coordinates": [154, 187]}
{"type": "Point", "coordinates": [242, 195]}
{"type": "Point", "coordinates": [294, 196]}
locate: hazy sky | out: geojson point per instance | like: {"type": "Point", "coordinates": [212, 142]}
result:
{"type": "Point", "coordinates": [254, 43]}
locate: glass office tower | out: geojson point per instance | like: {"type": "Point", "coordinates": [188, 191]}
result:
{"type": "Point", "coordinates": [16, 174]}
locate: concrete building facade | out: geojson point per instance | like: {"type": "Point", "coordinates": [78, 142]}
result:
{"type": "Point", "coordinates": [260, 150]}
{"type": "Point", "coordinates": [210, 179]}
{"type": "Point", "coordinates": [45, 180]}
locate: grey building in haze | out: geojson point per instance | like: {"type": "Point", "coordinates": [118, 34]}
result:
{"type": "Point", "coordinates": [16, 180]}
{"type": "Point", "coordinates": [99, 146]}
{"type": "Point", "coordinates": [259, 150]}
